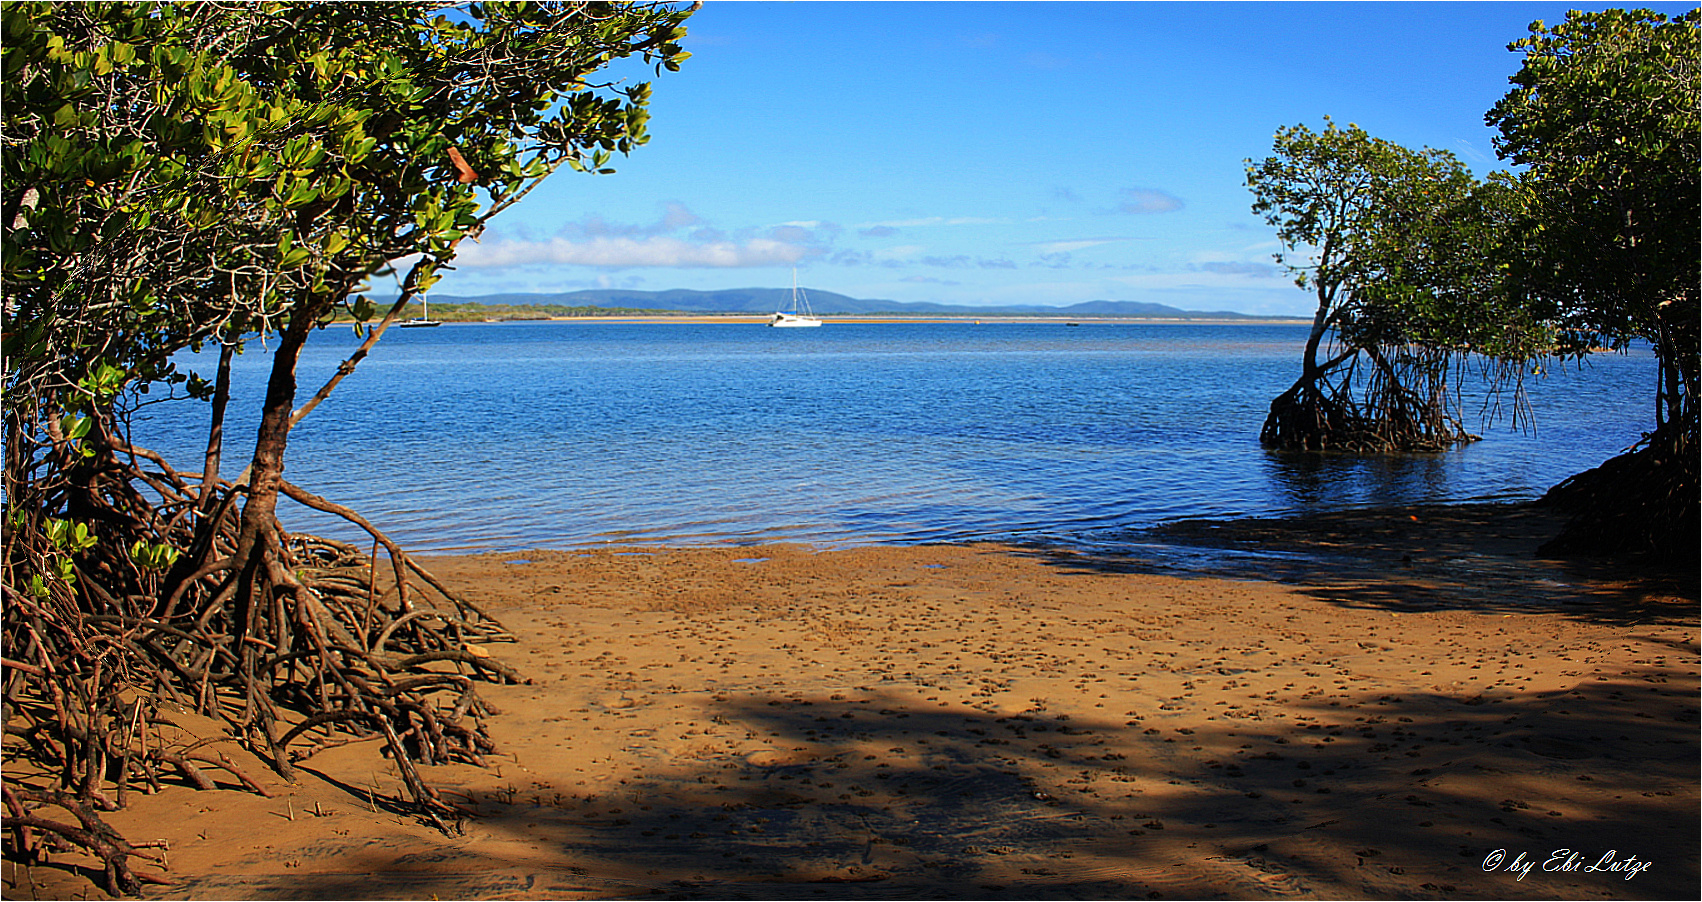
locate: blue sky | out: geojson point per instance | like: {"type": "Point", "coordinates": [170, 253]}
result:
{"type": "Point", "coordinates": [997, 153]}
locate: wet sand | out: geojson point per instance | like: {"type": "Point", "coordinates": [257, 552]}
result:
{"type": "Point", "coordinates": [1371, 706]}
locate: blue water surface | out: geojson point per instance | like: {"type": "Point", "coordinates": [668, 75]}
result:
{"type": "Point", "coordinates": [497, 437]}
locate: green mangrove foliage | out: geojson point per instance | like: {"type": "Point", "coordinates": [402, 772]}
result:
{"type": "Point", "coordinates": [1419, 267]}
{"type": "Point", "coordinates": [178, 175]}
{"type": "Point", "coordinates": [1391, 242]}
{"type": "Point", "coordinates": [1605, 114]}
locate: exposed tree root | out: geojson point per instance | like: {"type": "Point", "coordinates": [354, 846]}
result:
{"type": "Point", "coordinates": [35, 835]}
{"type": "Point", "coordinates": [188, 602]}
{"type": "Point", "coordinates": [1643, 502]}
{"type": "Point", "coordinates": [1310, 416]}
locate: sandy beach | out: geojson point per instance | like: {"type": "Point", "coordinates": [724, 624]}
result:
{"type": "Point", "coordinates": [1405, 704]}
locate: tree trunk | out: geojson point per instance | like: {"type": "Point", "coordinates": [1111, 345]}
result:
{"type": "Point", "coordinates": [259, 533]}
{"type": "Point", "coordinates": [1304, 417]}
{"type": "Point", "coordinates": [1323, 410]}
{"type": "Point", "coordinates": [216, 430]}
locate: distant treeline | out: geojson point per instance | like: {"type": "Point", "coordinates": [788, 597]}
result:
{"type": "Point", "coordinates": [478, 313]}
{"type": "Point", "coordinates": [764, 301]}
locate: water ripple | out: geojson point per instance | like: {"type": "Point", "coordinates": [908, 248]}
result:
{"type": "Point", "coordinates": [507, 437]}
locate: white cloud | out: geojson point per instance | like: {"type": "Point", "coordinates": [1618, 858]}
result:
{"type": "Point", "coordinates": [679, 238]}
{"type": "Point", "coordinates": [900, 252]}
{"type": "Point", "coordinates": [1148, 200]}
{"type": "Point", "coordinates": [1240, 268]}
{"type": "Point", "coordinates": [1470, 152]}
{"type": "Point", "coordinates": [624, 252]}
{"type": "Point", "coordinates": [1216, 278]}
{"type": "Point", "coordinates": [1076, 244]}
{"type": "Point", "coordinates": [931, 221]}
{"type": "Point", "coordinates": [674, 216]}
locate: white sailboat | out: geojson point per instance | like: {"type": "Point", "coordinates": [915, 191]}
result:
{"type": "Point", "coordinates": [423, 320]}
{"type": "Point", "coordinates": [799, 316]}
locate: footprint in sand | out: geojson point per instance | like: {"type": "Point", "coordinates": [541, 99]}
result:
{"type": "Point", "coordinates": [778, 758]}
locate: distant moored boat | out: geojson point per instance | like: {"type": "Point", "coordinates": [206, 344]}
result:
{"type": "Point", "coordinates": [799, 316]}
{"type": "Point", "coordinates": [423, 320]}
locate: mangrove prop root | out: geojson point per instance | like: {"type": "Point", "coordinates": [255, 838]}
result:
{"type": "Point", "coordinates": [185, 764]}
{"type": "Point", "coordinates": [1318, 417]}
{"type": "Point", "coordinates": [179, 605]}
{"type": "Point", "coordinates": [1642, 502]}
{"type": "Point", "coordinates": [90, 833]}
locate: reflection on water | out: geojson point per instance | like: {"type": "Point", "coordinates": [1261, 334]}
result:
{"type": "Point", "coordinates": [1335, 481]}
{"type": "Point", "coordinates": [513, 436]}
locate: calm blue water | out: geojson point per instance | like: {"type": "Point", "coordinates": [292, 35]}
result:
{"type": "Point", "coordinates": [507, 437]}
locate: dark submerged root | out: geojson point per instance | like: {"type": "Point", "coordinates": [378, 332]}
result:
{"type": "Point", "coordinates": [1643, 503]}
{"type": "Point", "coordinates": [1305, 418]}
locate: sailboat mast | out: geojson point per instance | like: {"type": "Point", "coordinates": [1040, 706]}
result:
{"type": "Point", "coordinates": [800, 313]}
{"type": "Point", "coordinates": [800, 301]}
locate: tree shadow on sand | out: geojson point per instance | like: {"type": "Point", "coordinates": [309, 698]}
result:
{"type": "Point", "coordinates": [1478, 557]}
{"type": "Point", "coordinates": [881, 794]}
{"type": "Point", "coordinates": [1215, 777]}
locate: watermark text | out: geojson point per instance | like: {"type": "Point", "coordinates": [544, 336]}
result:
{"type": "Point", "coordinates": [1566, 861]}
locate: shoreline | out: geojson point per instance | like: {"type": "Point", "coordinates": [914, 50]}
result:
{"type": "Point", "coordinates": [865, 319]}
{"type": "Point", "coordinates": [989, 721]}
{"type": "Point", "coordinates": [829, 318]}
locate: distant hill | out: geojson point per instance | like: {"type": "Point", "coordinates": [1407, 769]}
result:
{"type": "Point", "coordinates": [768, 300]}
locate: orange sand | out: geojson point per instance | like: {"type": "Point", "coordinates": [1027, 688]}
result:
{"type": "Point", "coordinates": [992, 722]}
